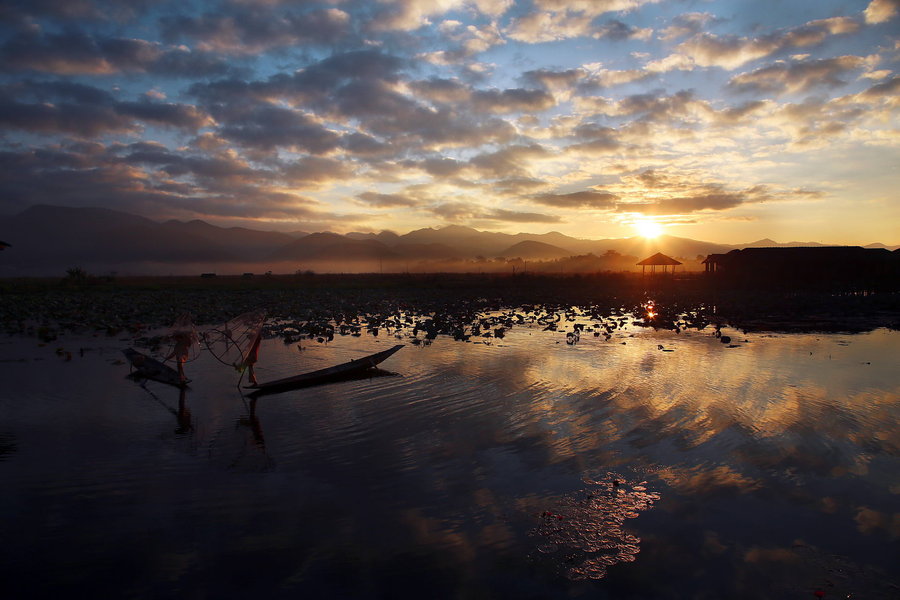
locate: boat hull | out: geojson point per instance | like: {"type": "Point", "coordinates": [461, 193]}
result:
{"type": "Point", "coordinates": [327, 375]}
{"type": "Point", "coordinates": [145, 367]}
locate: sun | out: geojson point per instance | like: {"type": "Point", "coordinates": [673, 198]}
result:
{"type": "Point", "coordinates": [648, 228]}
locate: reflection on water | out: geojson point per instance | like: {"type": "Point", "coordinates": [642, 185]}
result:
{"type": "Point", "coordinates": [584, 532]}
{"type": "Point", "coordinates": [503, 469]}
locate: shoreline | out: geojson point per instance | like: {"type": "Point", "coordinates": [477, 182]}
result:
{"type": "Point", "coordinates": [456, 300]}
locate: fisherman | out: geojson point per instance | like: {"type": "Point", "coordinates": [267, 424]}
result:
{"type": "Point", "coordinates": [184, 337]}
{"type": "Point", "coordinates": [181, 351]}
{"type": "Point", "coordinates": [252, 357]}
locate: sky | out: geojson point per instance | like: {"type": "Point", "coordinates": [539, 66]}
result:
{"type": "Point", "coordinates": [721, 120]}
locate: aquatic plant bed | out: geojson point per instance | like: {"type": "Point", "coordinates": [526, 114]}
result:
{"type": "Point", "coordinates": [146, 303]}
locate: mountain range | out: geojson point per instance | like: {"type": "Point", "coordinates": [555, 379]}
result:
{"type": "Point", "coordinates": [46, 240]}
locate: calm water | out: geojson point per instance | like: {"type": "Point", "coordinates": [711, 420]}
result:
{"type": "Point", "coordinates": [524, 468]}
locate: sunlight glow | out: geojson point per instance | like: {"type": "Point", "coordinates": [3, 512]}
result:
{"type": "Point", "coordinates": [648, 228]}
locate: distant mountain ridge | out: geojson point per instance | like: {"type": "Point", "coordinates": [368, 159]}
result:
{"type": "Point", "coordinates": [49, 239]}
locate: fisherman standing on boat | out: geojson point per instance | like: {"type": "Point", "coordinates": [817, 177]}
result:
{"type": "Point", "coordinates": [252, 357]}
{"type": "Point", "coordinates": [184, 337]}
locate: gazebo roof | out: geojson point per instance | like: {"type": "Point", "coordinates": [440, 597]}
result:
{"type": "Point", "coordinates": [659, 259]}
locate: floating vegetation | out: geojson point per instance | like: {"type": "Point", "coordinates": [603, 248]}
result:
{"type": "Point", "coordinates": [583, 534]}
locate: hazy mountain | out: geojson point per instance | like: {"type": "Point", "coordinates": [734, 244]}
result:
{"type": "Point", "coordinates": [248, 244]}
{"type": "Point", "coordinates": [333, 246]}
{"type": "Point", "coordinates": [880, 245]}
{"type": "Point", "coordinates": [763, 243]}
{"type": "Point", "coordinates": [471, 241]}
{"type": "Point", "coordinates": [387, 237]}
{"type": "Point", "coordinates": [49, 239]}
{"type": "Point", "coordinates": [768, 243]}
{"type": "Point", "coordinates": [54, 236]}
{"type": "Point", "coordinates": [534, 250]}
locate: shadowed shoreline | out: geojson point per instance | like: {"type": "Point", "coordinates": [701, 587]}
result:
{"type": "Point", "coordinates": [140, 303]}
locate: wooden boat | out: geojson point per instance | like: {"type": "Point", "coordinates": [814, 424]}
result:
{"type": "Point", "coordinates": [335, 373]}
{"type": "Point", "coordinates": [146, 367]}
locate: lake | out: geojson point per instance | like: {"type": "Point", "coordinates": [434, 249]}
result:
{"type": "Point", "coordinates": [652, 464]}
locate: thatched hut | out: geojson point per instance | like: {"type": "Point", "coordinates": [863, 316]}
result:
{"type": "Point", "coordinates": [658, 260]}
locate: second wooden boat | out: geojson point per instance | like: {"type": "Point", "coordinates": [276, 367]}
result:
{"type": "Point", "coordinates": [335, 373]}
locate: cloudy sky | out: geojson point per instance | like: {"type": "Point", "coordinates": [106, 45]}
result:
{"type": "Point", "coordinates": [722, 120]}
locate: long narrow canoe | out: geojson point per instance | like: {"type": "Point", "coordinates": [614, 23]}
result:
{"type": "Point", "coordinates": [337, 372]}
{"type": "Point", "coordinates": [146, 367]}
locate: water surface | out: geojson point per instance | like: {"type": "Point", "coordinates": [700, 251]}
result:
{"type": "Point", "coordinates": [650, 465]}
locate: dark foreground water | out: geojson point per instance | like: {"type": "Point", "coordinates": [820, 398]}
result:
{"type": "Point", "coordinates": [656, 466]}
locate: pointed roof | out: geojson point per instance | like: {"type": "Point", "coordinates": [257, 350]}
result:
{"type": "Point", "coordinates": [659, 259]}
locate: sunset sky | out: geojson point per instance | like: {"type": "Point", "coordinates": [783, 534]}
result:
{"type": "Point", "coordinates": [726, 121]}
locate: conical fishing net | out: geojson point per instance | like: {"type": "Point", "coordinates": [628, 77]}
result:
{"type": "Point", "coordinates": [236, 342]}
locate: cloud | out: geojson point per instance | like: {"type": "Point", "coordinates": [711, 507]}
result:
{"type": "Point", "coordinates": [218, 172]}
{"type": "Point", "coordinates": [442, 167]}
{"type": "Point", "coordinates": [605, 78]}
{"type": "Point", "coordinates": [79, 53]}
{"type": "Point", "coordinates": [731, 51]}
{"type": "Point", "coordinates": [465, 41]}
{"type": "Point", "coordinates": [149, 178]}
{"type": "Point", "coordinates": [591, 7]}
{"type": "Point", "coordinates": [468, 211]}
{"type": "Point", "coordinates": [673, 62]}
{"type": "Point", "coordinates": [736, 114]}
{"type": "Point", "coordinates": [797, 76]}
{"type": "Point", "coordinates": [884, 89]}
{"type": "Point", "coordinates": [255, 29]}
{"type": "Point", "coordinates": [595, 139]}
{"type": "Point", "coordinates": [512, 160]}
{"type": "Point", "coordinates": [512, 100]}
{"type": "Point", "coordinates": [619, 31]}
{"type": "Point", "coordinates": [668, 192]}
{"type": "Point", "coordinates": [510, 216]}
{"type": "Point", "coordinates": [363, 145]}
{"type": "Point", "coordinates": [881, 11]}
{"type": "Point", "coordinates": [710, 199]}
{"type": "Point", "coordinates": [552, 79]}
{"type": "Point", "coordinates": [442, 91]}
{"type": "Point", "coordinates": [540, 27]}
{"type": "Point", "coordinates": [379, 200]}
{"type": "Point", "coordinates": [66, 11]}
{"type": "Point", "coordinates": [516, 186]}
{"type": "Point", "coordinates": [70, 178]}
{"type": "Point", "coordinates": [686, 24]}
{"type": "Point", "coordinates": [407, 15]}
{"type": "Point", "coordinates": [289, 103]}
{"type": "Point", "coordinates": [583, 199]}
{"type": "Point", "coordinates": [364, 90]}
{"type": "Point", "coordinates": [649, 106]}
{"type": "Point", "coordinates": [72, 108]}
{"type": "Point", "coordinates": [315, 171]}
{"type": "Point", "coordinates": [268, 127]}
{"type": "Point", "coordinates": [312, 85]}
{"type": "Point", "coordinates": [179, 116]}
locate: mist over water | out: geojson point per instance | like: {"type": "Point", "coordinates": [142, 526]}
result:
{"type": "Point", "coordinates": [654, 464]}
